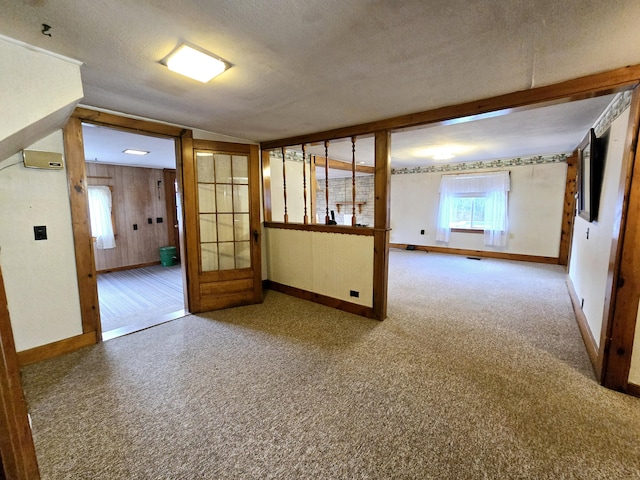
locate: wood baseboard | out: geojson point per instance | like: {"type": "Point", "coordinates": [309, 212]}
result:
{"type": "Point", "coordinates": [55, 349]}
{"type": "Point", "coordinates": [633, 389]}
{"type": "Point", "coordinates": [128, 267]}
{"type": "Point", "coordinates": [349, 307]}
{"type": "Point", "coordinates": [583, 325]}
{"type": "Point", "coordinates": [479, 253]}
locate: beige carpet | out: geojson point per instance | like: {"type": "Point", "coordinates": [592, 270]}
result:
{"type": "Point", "coordinates": [478, 373]}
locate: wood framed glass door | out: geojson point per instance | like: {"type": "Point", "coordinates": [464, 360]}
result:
{"type": "Point", "coordinates": [222, 224]}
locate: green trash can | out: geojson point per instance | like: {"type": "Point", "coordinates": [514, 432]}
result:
{"type": "Point", "coordinates": [168, 256]}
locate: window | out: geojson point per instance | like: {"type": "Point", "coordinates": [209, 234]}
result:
{"type": "Point", "coordinates": [468, 212]}
{"type": "Point", "coordinates": [476, 202]}
{"type": "Point", "coordinates": [101, 216]}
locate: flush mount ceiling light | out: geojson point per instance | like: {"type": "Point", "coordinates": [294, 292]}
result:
{"type": "Point", "coordinates": [195, 63]}
{"type": "Point", "coordinates": [133, 151]}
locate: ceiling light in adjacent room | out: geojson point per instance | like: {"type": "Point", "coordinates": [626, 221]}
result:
{"type": "Point", "coordinates": [195, 63]}
{"type": "Point", "coordinates": [132, 151]}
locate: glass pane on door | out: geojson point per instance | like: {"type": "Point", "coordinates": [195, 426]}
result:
{"type": "Point", "coordinates": [223, 206]}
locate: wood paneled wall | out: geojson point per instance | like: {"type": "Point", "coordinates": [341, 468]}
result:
{"type": "Point", "coordinates": [137, 194]}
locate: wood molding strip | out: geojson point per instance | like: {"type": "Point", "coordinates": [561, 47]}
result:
{"type": "Point", "coordinates": [574, 89]}
{"type": "Point", "coordinates": [55, 349]}
{"type": "Point", "coordinates": [633, 389]}
{"type": "Point", "coordinates": [583, 325]}
{"type": "Point", "coordinates": [345, 229]}
{"type": "Point", "coordinates": [81, 227]}
{"type": "Point", "coordinates": [128, 267]}
{"type": "Point", "coordinates": [321, 299]}
{"type": "Point", "coordinates": [17, 450]}
{"type": "Point", "coordinates": [479, 253]}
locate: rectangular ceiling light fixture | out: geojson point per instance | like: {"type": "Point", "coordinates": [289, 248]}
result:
{"type": "Point", "coordinates": [133, 151]}
{"type": "Point", "coordinates": [195, 63]}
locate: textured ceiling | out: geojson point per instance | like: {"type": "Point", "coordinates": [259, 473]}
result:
{"type": "Point", "coordinates": [303, 66]}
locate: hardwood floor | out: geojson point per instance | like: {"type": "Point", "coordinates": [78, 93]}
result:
{"type": "Point", "coordinates": [131, 300]}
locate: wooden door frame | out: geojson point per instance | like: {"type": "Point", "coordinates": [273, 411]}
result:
{"type": "Point", "coordinates": [623, 279]}
{"type": "Point", "coordinates": [77, 182]}
{"type": "Point", "coordinates": [17, 452]}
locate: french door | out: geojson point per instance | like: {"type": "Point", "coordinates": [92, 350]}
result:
{"type": "Point", "coordinates": [222, 224]}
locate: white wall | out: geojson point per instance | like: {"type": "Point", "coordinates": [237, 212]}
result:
{"type": "Point", "coordinates": [535, 211]}
{"type": "Point", "coordinates": [39, 91]}
{"type": "Point", "coordinates": [39, 276]}
{"type": "Point", "coordinates": [589, 262]}
{"type": "Point", "coordinates": [329, 264]}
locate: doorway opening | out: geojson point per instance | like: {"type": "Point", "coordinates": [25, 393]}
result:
{"type": "Point", "coordinates": [134, 212]}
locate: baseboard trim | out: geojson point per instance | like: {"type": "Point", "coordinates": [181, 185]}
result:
{"type": "Point", "coordinates": [633, 389]}
{"type": "Point", "coordinates": [55, 349]}
{"type": "Point", "coordinates": [583, 325]}
{"type": "Point", "coordinates": [479, 253]}
{"type": "Point", "coordinates": [128, 267]}
{"type": "Point", "coordinates": [349, 307]}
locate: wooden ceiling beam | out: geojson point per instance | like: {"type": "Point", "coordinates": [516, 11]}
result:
{"type": "Point", "coordinates": [340, 165]}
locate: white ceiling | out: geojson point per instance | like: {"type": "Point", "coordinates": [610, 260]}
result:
{"type": "Point", "coordinates": [539, 131]}
{"type": "Point", "coordinates": [303, 66]}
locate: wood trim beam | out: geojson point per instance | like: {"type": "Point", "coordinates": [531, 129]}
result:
{"type": "Point", "coordinates": [574, 89]}
{"type": "Point", "coordinates": [117, 121]}
{"type": "Point", "coordinates": [17, 450]}
{"type": "Point", "coordinates": [382, 209]}
{"type": "Point", "coordinates": [345, 229]}
{"type": "Point", "coordinates": [583, 325]}
{"type": "Point", "coordinates": [81, 226]}
{"type": "Point", "coordinates": [191, 258]}
{"type": "Point", "coordinates": [479, 253]}
{"type": "Point", "coordinates": [622, 293]}
{"type": "Point", "coordinates": [128, 267]}
{"type": "Point", "coordinates": [568, 212]}
{"type": "Point", "coordinates": [168, 178]}
{"type": "Point", "coordinates": [55, 349]}
{"type": "Point", "coordinates": [340, 165]}
{"type": "Point", "coordinates": [321, 299]}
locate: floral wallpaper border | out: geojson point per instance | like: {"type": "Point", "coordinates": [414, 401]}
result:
{"type": "Point", "coordinates": [618, 105]}
{"type": "Point", "coordinates": [505, 162]}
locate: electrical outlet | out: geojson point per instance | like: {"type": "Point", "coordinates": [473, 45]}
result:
{"type": "Point", "coordinates": [40, 232]}
{"type": "Point", "coordinates": [149, 221]}
{"type": "Point", "coordinates": [421, 232]}
{"type": "Point", "coordinates": [354, 293]}
{"type": "Point", "coordinates": [135, 226]}
{"type": "Point", "coordinates": [158, 219]}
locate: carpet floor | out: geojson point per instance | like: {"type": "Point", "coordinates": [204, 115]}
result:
{"type": "Point", "coordinates": [479, 372]}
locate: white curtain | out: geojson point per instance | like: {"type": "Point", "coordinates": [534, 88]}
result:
{"type": "Point", "coordinates": [494, 186]}
{"type": "Point", "coordinates": [100, 213]}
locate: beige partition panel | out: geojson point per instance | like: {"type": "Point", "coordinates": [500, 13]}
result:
{"type": "Point", "coordinates": [331, 264]}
